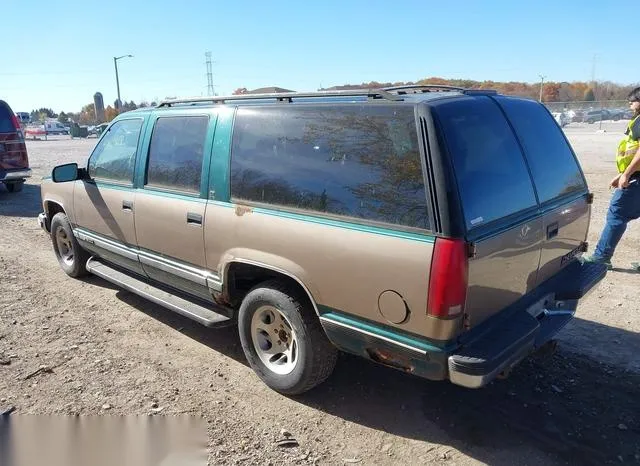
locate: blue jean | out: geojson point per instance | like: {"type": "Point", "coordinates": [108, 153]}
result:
{"type": "Point", "coordinates": [624, 207]}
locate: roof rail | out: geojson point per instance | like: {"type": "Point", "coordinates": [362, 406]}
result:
{"type": "Point", "coordinates": [423, 88]}
{"type": "Point", "coordinates": [283, 96]}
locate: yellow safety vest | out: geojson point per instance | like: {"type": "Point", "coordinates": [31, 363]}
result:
{"type": "Point", "coordinates": [627, 149]}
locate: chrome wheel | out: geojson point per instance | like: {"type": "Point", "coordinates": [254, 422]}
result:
{"type": "Point", "coordinates": [65, 246]}
{"type": "Point", "coordinates": [274, 340]}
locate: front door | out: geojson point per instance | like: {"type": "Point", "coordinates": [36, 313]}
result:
{"type": "Point", "coordinates": [104, 204]}
{"type": "Point", "coordinates": [170, 206]}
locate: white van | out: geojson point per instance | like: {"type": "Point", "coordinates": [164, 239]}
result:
{"type": "Point", "coordinates": [55, 127]}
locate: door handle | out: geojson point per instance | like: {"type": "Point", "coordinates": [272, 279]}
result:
{"type": "Point", "coordinates": [127, 205]}
{"type": "Point", "coordinates": [552, 230]}
{"type": "Point", "coordinates": [194, 219]}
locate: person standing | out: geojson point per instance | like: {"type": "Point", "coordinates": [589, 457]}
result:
{"type": "Point", "coordinates": [625, 202]}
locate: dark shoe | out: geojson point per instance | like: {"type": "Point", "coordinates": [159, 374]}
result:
{"type": "Point", "coordinates": [595, 260]}
{"type": "Point", "coordinates": [635, 266]}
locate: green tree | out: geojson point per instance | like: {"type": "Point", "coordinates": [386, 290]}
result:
{"type": "Point", "coordinates": [63, 118]}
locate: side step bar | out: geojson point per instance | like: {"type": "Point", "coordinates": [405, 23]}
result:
{"type": "Point", "coordinates": [199, 313]}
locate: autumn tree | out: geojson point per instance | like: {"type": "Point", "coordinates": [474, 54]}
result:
{"type": "Point", "coordinates": [110, 113]}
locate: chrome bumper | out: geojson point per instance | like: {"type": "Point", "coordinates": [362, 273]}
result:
{"type": "Point", "coordinates": [44, 222]}
{"type": "Point", "coordinates": [16, 175]}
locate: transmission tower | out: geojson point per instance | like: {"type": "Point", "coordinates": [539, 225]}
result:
{"type": "Point", "coordinates": [209, 74]}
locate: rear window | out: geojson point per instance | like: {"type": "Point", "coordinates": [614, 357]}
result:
{"type": "Point", "coordinates": [6, 123]}
{"type": "Point", "coordinates": [356, 161]}
{"type": "Point", "coordinates": [492, 177]}
{"type": "Point", "coordinates": [553, 166]}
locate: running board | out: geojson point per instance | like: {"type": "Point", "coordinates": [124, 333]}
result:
{"type": "Point", "coordinates": [185, 307]}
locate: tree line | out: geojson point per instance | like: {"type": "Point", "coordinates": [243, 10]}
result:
{"type": "Point", "coordinates": [87, 115]}
{"type": "Point", "coordinates": [552, 91]}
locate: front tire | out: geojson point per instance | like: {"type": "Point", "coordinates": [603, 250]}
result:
{"type": "Point", "coordinates": [71, 257]}
{"type": "Point", "coordinates": [283, 340]}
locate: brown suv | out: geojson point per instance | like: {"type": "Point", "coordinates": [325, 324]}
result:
{"type": "Point", "coordinates": [14, 162]}
{"type": "Point", "coordinates": [419, 227]}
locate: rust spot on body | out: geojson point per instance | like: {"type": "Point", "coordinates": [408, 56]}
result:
{"type": "Point", "coordinates": [243, 209]}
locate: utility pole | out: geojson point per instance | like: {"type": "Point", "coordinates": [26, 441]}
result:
{"type": "Point", "coordinates": [209, 74]}
{"type": "Point", "coordinates": [115, 64]}
{"type": "Point", "coordinates": [541, 85]}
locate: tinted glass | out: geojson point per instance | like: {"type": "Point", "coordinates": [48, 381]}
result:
{"type": "Point", "coordinates": [6, 124]}
{"type": "Point", "coordinates": [545, 147]}
{"type": "Point", "coordinates": [175, 153]}
{"type": "Point", "coordinates": [492, 176]}
{"type": "Point", "coordinates": [115, 155]}
{"type": "Point", "coordinates": [358, 161]}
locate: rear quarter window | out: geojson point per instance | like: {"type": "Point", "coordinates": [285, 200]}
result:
{"type": "Point", "coordinates": [356, 161]}
{"type": "Point", "coordinates": [493, 180]}
{"type": "Point", "coordinates": [553, 166]}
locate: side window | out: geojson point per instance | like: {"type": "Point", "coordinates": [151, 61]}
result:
{"type": "Point", "coordinates": [493, 179]}
{"type": "Point", "coordinates": [357, 161]}
{"type": "Point", "coordinates": [544, 147]}
{"type": "Point", "coordinates": [114, 157]}
{"type": "Point", "coordinates": [176, 151]}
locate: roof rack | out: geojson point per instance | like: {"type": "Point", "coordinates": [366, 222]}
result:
{"type": "Point", "coordinates": [284, 97]}
{"type": "Point", "coordinates": [423, 88]}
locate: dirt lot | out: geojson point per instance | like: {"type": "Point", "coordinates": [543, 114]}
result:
{"type": "Point", "coordinates": [114, 353]}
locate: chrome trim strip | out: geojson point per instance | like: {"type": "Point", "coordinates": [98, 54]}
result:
{"type": "Point", "coordinates": [168, 267]}
{"type": "Point", "coordinates": [371, 334]}
{"type": "Point", "coordinates": [199, 276]}
{"type": "Point", "coordinates": [107, 245]}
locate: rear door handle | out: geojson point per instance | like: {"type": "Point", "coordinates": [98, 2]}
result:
{"type": "Point", "coordinates": [194, 219]}
{"type": "Point", "coordinates": [552, 230]}
{"type": "Point", "coordinates": [127, 205]}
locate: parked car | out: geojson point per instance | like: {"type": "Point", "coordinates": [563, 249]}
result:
{"type": "Point", "coordinates": [596, 115]}
{"type": "Point", "coordinates": [420, 229]}
{"type": "Point", "coordinates": [14, 161]}
{"type": "Point", "coordinates": [562, 118]}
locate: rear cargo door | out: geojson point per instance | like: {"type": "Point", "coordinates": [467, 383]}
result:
{"type": "Point", "coordinates": [559, 182]}
{"type": "Point", "coordinates": [498, 203]}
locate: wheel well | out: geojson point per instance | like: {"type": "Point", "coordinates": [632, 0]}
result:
{"type": "Point", "coordinates": [241, 278]}
{"type": "Point", "coordinates": [52, 209]}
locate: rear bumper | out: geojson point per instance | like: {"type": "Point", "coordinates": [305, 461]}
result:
{"type": "Point", "coordinates": [521, 330]}
{"type": "Point", "coordinates": [14, 175]}
{"type": "Point", "coordinates": [480, 355]}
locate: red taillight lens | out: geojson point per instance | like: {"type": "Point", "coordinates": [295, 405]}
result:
{"type": "Point", "coordinates": [16, 123]}
{"type": "Point", "coordinates": [448, 279]}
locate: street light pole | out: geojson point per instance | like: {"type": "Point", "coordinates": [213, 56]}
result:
{"type": "Point", "coordinates": [541, 85]}
{"type": "Point", "coordinates": [115, 64]}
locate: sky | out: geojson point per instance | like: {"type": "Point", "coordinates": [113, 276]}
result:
{"type": "Point", "coordinates": [60, 53]}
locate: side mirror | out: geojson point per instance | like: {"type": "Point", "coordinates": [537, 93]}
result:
{"type": "Point", "coordinates": [66, 172]}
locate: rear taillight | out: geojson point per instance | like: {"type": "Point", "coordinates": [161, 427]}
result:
{"type": "Point", "coordinates": [448, 279]}
{"type": "Point", "coordinates": [16, 125]}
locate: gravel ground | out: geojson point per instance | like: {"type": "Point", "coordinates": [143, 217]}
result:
{"type": "Point", "coordinates": [113, 353]}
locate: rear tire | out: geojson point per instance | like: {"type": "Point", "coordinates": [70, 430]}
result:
{"type": "Point", "coordinates": [71, 257]}
{"type": "Point", "coordinates": [14, 186]}
{"type": "Point", "coordinates": [283, 339]}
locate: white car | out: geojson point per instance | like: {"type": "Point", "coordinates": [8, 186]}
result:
{"type": "Point", "coordinates": [562, 118]}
